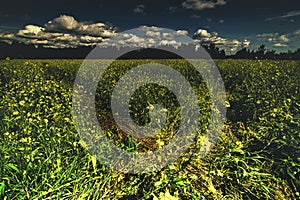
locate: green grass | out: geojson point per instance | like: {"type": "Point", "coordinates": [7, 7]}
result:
{"type": "Point", "coordinates": [257, 155]}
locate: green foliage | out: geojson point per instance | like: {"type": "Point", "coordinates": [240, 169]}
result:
{"type": "Point", "coordinates": [257, 155]}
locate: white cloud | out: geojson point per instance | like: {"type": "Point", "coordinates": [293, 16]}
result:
{"type": "Point", "coordinates": [284, 38]}
{"type": "Point", "coordinates": [62, 32]}
{"type": "Point", "coordinates": [229, 45]}
{"type": "Point", "coordinates": [267, 35]}
{"type": "Point", "coordinates": [66, 38]}
{"type": "Point", "coordinates": [201, 4]}
{"type": "Point", "coordinates": [169, 36]}
{"type": "Point", "coordinates": [6, 37]}
{"type": "Point", "coordinates": [202, 33]}
{"type": "Point", "coordinates": [182, 32]}
{"type": "Point", "coordinates": [276, 39]}
{"type": "Point", "coordinates": [148, 37]}
{"type": "Point", "coordinates": [150, 28]}
{"type": "Point", "coordinates": [246, 43]}
{"type": "Point", "coordinates": [215, 34]}
{"type": "Point", "coordinates": [134, 39]}
{"type": "Point", "coordinates": [62, 23]}
{"type": "Point", "coordinates": [31, 31]}
{"type": "Point", "coordinates": [297, 32]}
{"type": "Point", "coordinates": [153, 34]}
{"type": "Point", "coordinates": [139, 9]}
{"type": "Point", "coordinates": [287, 15]}
{"type": "Point", "coordinates": [66, 23]}
{"type": "Point", "coordinates": [90, 39]}
{"type": "Point", "coordinates": [169, 42]}
{"type": "Point", "coordinates": [281, 41]}
{"type": "Point", "coordinates": [280, 45]}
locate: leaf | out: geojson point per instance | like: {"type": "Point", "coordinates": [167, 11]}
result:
{"type": "Point", "coordinates": [167, 196]}
{"type": "Point", "coordinates": [94, 163]}
{"type": "Point", "coordinates": [11, 166]}
{"type": "Point", "coordinates": [2, 188]}
{"type": "Point", "coordinates": [180, 183]}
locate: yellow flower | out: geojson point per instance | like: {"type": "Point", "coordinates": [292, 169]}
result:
{"type": "Point", "coordinates": [227, 104]}
{"type": "Point", "coordinates": [150, 107]}
{"type": "Point", "coordinates": [160, 143]}
{"type": "Point", "coordinates": [67, 119]}
{"type": "Point", "coordinates": [212, 188]}
{"type": "Point", "coordinates": [239, 143]}
{"type": "Point", "coordinates": [15, 113]}
{"type": "Point", "coordinates": [220, 173]}
{"type": "Point", "coordinates": [22, 103]}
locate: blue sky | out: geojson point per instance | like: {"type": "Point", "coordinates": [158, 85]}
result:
{"type": "Point", "coordinates": [274, 23]}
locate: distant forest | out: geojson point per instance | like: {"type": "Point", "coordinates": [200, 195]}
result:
{"type": "Point", "coordinates": [23, 51]}
{"type": "Point", "coordinates": [260, 53]}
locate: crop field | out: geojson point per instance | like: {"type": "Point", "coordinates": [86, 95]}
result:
{"type": "Point", "coordinates": [257, 155]}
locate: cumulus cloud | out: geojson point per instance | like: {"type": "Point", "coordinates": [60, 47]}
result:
{"type": "Point", "coordinates": [170, 36]}
{"type": "Point", "coordinates": [229, 45]}
{"type": "Point", "coordinates": [66, 23]}
{"type": "Point", "coordinates": [62, 23]}
{"type": "Point", "coordinates": [280, 45]}
{"type": "Point", "coordinates": [276, 39]}
{"type": "Point", "coordinates": [267, 35]}
{"type": "Point", "coordinates": [281, 41]}
{"type": "Point", "coordinates": [31, 31]}
{"type": "Point", "coordinates": [66, 32]}
{"type": "Point", "coordinates": [62, 32]}
{"type": "Point", "coordinates": [139, 9]}
{"type": "Point", "coordinates": [153, 34]}
{"type": "Point", "coordinates": [201, 33]}
{"type": "Point", "coordinates": [182, 32]}
{"type": "Point", "coordinates": [284, 38]}
{"type": "Point", "coordinates": [6, 37]}
{"type": "Point", "coordinates": [148, 37]}
{"type": "Point", "coordinates": [201, 4]}
{"type": "Point", "coordinates": [150, 28]}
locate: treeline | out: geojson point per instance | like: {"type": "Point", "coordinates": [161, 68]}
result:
{"type": "Point", "coordinates": [260, 53]}
{"type": "Point", "coordinates": [23, 51]}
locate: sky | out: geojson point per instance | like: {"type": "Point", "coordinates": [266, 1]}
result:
{"type": "Point", "coordinates": [230, 24]}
